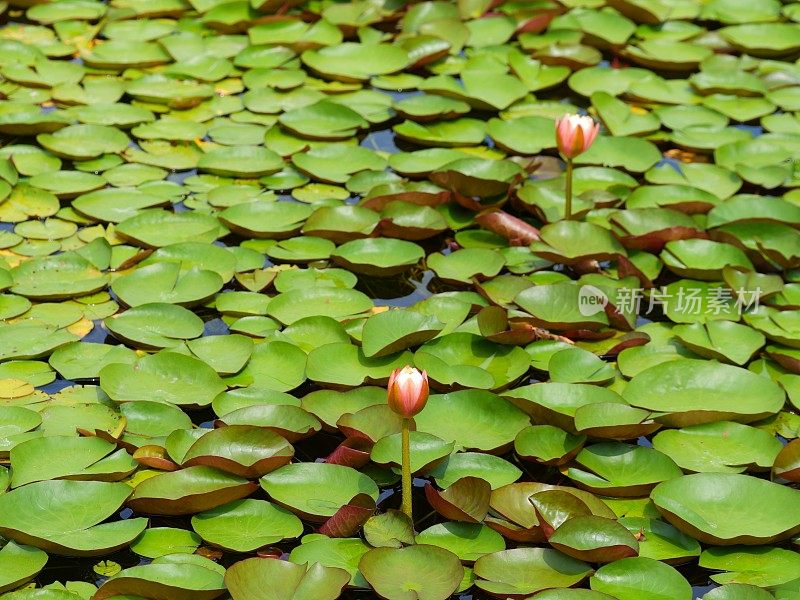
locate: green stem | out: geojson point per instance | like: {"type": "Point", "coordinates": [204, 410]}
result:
{"type": "Point", "coordinates": [406, 507]}
{"type": "Point", "coordinates": [568, 205]}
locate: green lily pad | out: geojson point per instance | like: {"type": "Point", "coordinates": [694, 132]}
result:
{"type": "Point", "coordinates": [82, 142]}
{"type": "Point", "coordinates": [702, 259]}
{"type": "Point", "coordinates": [240, 449]}
{"type": "Point", "coordinates": [181, 576]}
{"type": "Point", "coordinates": [421, 571]}
{"type": "Point", "coordinates": [621, 469]}
{"type": "Point", "coordinates": [241, 161]}
{"type": "Point", "coordinates": [384, 257]}
{"type": "Point", "coordinates": [316, 491]}
{"type": "Point", "coordinates": [266, 219]}
{"type": "Point", "coordinates": [57, 277]}
{"type": "Point", "coordinates": [640, 577]}
{"type": "Point", "coordinates": [338, 303]}
{"type": "Point", "coordinates": [340, 553]}
{"type": "Point", "coordinates": [468, 541]}
{"type": "Point", "coordinates": [721, 447]}
{"type": "Point", "coordinates": [710, 178]}
{"type": "Point", "coordinates": [465, 264]}
{"type": "Point", "coordinates": [287, 421]}
{"type": "Point", "coordinates": [164, 282]}
{"type": "Point", "coordinates": [630, 153]}
{"type": "Point", "coordinates": [426, 450]}
{"type": "Point", "coordinates": [692, 392]}
{"type": "Point", "coordinates": [594, 539]}
{"type": "Point", "coordinates": [336, 163]}
{"type": "Point", "coordinates": [457, 132]}
{"type": "Point", "coordinates": [20, 564]}
{"type": "Point", "coordinates": [560, 306]}
{"type": "Point", "coordinates": [684, 503]}
{"type": "Point", "coordinates": [395, 330]}
{"type": "Point", "coordinates": [276, 579]}
{"type": "Point", "coordinates": [155, 325]}
{"type": "Point", "coordinates": [721, 340]}
{"type": "Point", "coordinates": [523, 571]}
{"type": "Point", "coordinates": [494, 422]}
{"type": "Point", "coordinates": [492, 469]}
{"type": "Point", "coordinates": [115, 204]}
{"type": "Point", "coordinates": [467, 360]}
{"type": "Point", "coordinates": [323, 120]}
{"type": "Point", "coordinates": [157, 228]}
{"type": "Point", "coordinates": [548, 444]}
{"type": "Point", "coordinates": [557, 403]}
{"type": "Point", "coordinates": [555, 240]}
{"type": "Point", "coordinates": [161, 541]}
{"type": "Point", "coordinates": [620, 119]}
{"type": "Point", "coordinates": [66, 517]}
{"type": "Point", "coordinates": [575, 365]}
{"type": "Point", "coordinates": [232, 526]}
{"type": "Point", "coordinates": [614, 421]}
{"type": "Point", "coordinates": [344, 364]}
{"type": "Point", "coordinates": [763, 39]}
{"type": "Point", "coordinates": [354, 62]}
{"type": "Point", "coordinates": [174, 93]}
{"type": "Point", "coordinates": [74, 457]}
{"type": "Point", "coordinates": [164, 377]}
{"type": "Point", "coordinates": [122, 54]}
{"type": "Point", "coordinates": [188, 491]}
{"type": "Point", "coordinates": [759, 566]}
{"type": "Point", "coordinates": [661, 541]}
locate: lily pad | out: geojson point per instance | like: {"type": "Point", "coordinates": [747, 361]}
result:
{"type": "Point", "coordinates": [20, 564]}
{"type": "Point", "coordinates": [155, 325]}
{"type": "Point", "coordinates": [523, 571]}
{"type": "Point", "coordinates": [299, 487]}
{"type": "Point", "coordinates": [640, 577]}
{"type": "Point", "coordinates": [232, 526]}
{"type": "Point", "coordinates": [467, 360]}
{"type": "Point", "coordinates": [594, 539]}
{"type": "Point", "coordinates": [166, 377]}
{"type": "Point", "coordinates": [621, 469]}
{"type": "Point", "coordinates": [494, 422]}
{"type": "Point", "coordinates": [692, 392]}
{"type": "Point", "coordinates": [66, 517]}
{"type": "Point", "coordinates": [274, 579]}
{"type": "Point", "coordinates": [181, 576]}
{"type": "Point", "coordinates": [684, 503]}
{"type": "Point", "coordinates": [384, 257]}
{"type": "Point", "coordinates": [164, 282]}
{"type": "Point", "coordinates": [421, 571]}
{"type": "Point", "coordinates": [241, 161]}
{"type": "Point", "coordinates": [720, 447]}
{"type": "Point", "coordinates": [188, 491]}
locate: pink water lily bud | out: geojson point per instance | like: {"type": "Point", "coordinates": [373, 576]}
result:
{"type": "Point", "coordinates": [574, 134]}
{"type": "Point", "coordinates": [408, 391]}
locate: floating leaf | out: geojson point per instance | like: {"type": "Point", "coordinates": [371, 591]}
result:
{"type": "Point", "coordinates": [277, 579]}
{"type": "Point", "coordinates": [684, 503]}
{"type": "Point", "coordinates": [420, 571]}
{"type": "Point", "coordinates": [66, 517]}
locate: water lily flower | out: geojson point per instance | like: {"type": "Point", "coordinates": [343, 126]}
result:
{"type": "Point", "coordinates": [575, 134]}
{"type": "Point", "coordinates": [408, 391]}
{"type": "Point", "coordinates": [407, 395]}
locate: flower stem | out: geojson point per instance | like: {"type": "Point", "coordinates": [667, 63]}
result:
{"type": "Point", "coordinates": [406, 506]}
{"type": "Point", "coordinates": [568, 205]}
